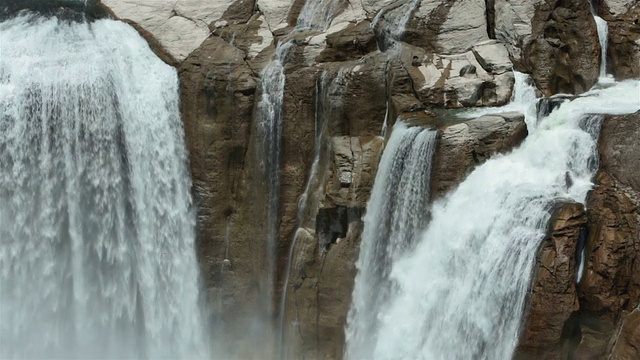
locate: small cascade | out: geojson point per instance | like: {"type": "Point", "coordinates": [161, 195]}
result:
{"type": "Point", "coordinates": [318, 14]}
{"type": "Point", "coordinates": [397, 212]}
{"type": "Point", "coordinates": [523, 100]}
{"type": "Point", "coordinates": [460, 294]}
{"type": "Point", "coordinates": [603, 38]}
{"type": "Point", "coordinates": [305, 220]}
{"type": "Point", "coordinates": [97, 226]}
{"type": "Point", "coordinates": [394, 27]}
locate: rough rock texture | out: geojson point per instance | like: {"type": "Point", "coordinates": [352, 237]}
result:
{"type": "Point", "coordinates": [463, 146]}
{"type": "Point", "coordinates": [443, 26]}
{"type": "Point", "coordinates": [481, 77]}
{"type": "Point", "coordinates": [512, 24]}
{"type": "Point", "coordinates": [326, 249]}
{"type": "Point", "coordinates": [611, 283]}
{"type": "Point", "coordinates": [180, 25]}
{"type": "Point", "coordinates": [563, 54]}
{"type": "Point", "coordinates": [553, 297]}
{"type": "Point", "coordinates": [623, 55]}
{"type": "Point", "coordinates": [627, 345]}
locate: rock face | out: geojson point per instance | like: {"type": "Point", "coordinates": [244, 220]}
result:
{"type": "Point", "coordinates": [598, 318]}
{"type": "Point", "coordinates": [624, 38]}
{"type": "Point", "coordinates": [463, 146]}
{"type": "Point", "coordinates": [563, 51]}
{"type": "Point", "coordinates": [180, 26]}
{"type": "Point", "coordinates": [351, 71]}
{"type": "Point", "coordinates": [611, 284]}
{"type": "Point", "coordinates": [553, 298]}
{"type": "Point", "coordinates": [627, 345]}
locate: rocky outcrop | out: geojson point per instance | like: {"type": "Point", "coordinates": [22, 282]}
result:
{"type": "Point", "coordinates": [180, 26]}
{"type": "Point", "coordinates": [611, 283]}
{"type": "Point", "coordinates": [624, 38]}
{"type": "Point", "coordinates": [479, 77]}
{"type": "Point", "coordinates": [463, 146]}
{"type": "Point", "coordinates": [553, 298]}
{"type": "Point", "coordinates": [512, 24]}
{"type": "Point", "coordinates": [563, 53]}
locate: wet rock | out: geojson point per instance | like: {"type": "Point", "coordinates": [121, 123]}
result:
{"type": "Point", "coordinates": [463, 146]}
{"type": "Point", "coordinates": [611, 283]}
{"type": "Point", "coordinates": [323, 267]}
{"type": "Point", "coordinates": [553, 298]}
{"type": "Point", "coordinates": [563, 53]}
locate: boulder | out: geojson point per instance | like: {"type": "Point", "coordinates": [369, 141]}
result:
{"type": "Point", "coordinates": [463, 146]}
{"type": "Point", "coordinates": [553, 300]}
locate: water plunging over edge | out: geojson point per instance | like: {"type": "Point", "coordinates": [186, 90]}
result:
{"type": "Point", "coordinates": [396, 213]}
{"type": "Point", "coordinates": [97, 222]}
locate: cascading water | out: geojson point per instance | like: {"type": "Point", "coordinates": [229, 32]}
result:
{"type": "Point", "coordinates": [96, 218]}
{"type": "Point", "coordinates": [397, 213]}
{"type": "Point", "coordinates": [603, 38]}
{"type": "Point", "coordinates": [318, 14]}
{"type": "Point", "coordinates": [461, 293]}
{"type": "Point", "coordinates": [269, 129]}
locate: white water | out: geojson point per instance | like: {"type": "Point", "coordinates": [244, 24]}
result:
{"type": "Point", "coordinates": [97, 226]}
{"type": "Point", "coordinates": [523, 100]}
{"type": "Point", "coordinates": [397, 213]}
{"type": "Point", "coordinates": [461, 293]}
{"type": "Point", "coordinates": [269, 130]}
{"type": "Point", "coordinates": [603, 38]}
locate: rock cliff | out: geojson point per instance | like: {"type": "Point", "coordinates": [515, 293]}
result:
{"type": "Point", "coordinates": [351, 70]}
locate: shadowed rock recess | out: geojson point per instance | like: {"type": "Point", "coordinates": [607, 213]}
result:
{"type": "Point", "coordinates": [350, 71]}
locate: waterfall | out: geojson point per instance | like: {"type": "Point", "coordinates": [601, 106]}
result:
{"type": "Point", "coordinates": [460, 294]}
{"type": "Point", "coordinates": [269, 130]}
{"type": "Point", "coordinates": [393, 27]}
{"type": "Point", "coordinates": [397, 213]}
{"type": "Point", "coordinates": [603, 38]}
{"type": "Point", "coordinates": [96, 218]}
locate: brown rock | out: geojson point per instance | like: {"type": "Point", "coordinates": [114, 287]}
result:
{"type": "Point", "coordinates": [624, 44]}
{"type": "Point", "coordinates": [627, 345]}
{"type": "Point", "coordinates": [611, 283]}
{"type": "Point", "coordinates": [553, 297]}
{"type": "Point", "coordinates": [323, 266]}
{"type": "Point", "coordinates": [353, 42]}
{"type": "Point", "coordinates": [463, 146]}
{"type": "Point", "coordinates": [563, 54]}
